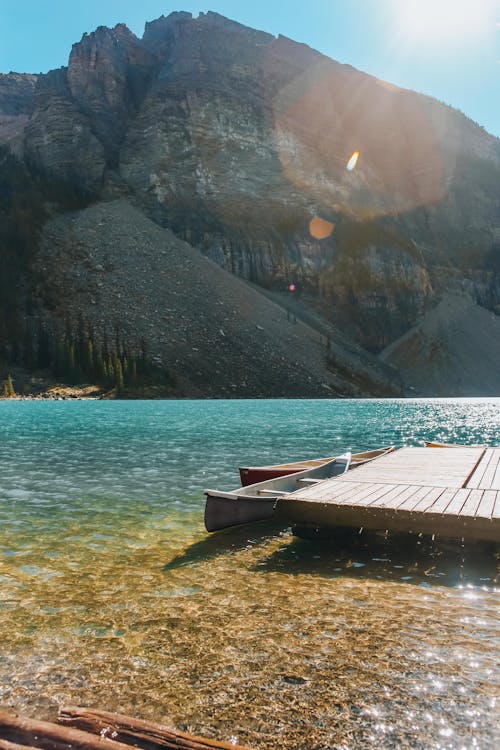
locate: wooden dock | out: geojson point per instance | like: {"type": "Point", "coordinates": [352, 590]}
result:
{"type": "Point", "coordinates": [448, 492]}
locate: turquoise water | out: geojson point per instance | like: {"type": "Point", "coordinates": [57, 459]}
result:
{"type": "Point", "coordinates": [112, 595]}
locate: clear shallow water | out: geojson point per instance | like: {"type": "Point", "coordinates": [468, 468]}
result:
{"type": "Point", "coordinates": [113, 595]}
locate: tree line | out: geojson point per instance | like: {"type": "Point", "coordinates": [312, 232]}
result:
{"type": "Point", "coordinates": [79, 356]}
{"type": "Point", "coordinates": [27, 195]}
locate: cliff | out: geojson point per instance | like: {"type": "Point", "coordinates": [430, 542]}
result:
{"type": "Point", "coordinates": [17, 93]}
{"type": "Point", "coordinates": [236, 143]}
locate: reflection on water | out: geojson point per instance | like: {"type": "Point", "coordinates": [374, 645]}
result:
{"type": "Point", "coordinates": [114, 596]}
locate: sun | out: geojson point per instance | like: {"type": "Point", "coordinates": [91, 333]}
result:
{"type": "Point", "coordinates": [443, 23]}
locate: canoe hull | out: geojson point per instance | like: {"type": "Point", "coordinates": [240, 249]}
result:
{"type": "Point", "coordinates": [224, 512]}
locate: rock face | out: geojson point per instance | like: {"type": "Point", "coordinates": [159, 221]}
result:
{"type": "Point", "coordinates": [59, 137]}
{"type": "Point", "coordinates": [453, 349]}
{"type": "Point", "coordinates": [17, 93]}
{"type": "Point", "coordinates": [217, 334]}
{"type": "Point", "coordinates": [238, 142]}
{"type": "Point", "coordinates": [16, 104]}
{"type": "Point", "coordinates": [108, 75]}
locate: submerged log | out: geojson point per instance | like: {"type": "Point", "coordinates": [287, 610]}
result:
{"type": "Point", "coordinates": [146, 735]}
{"type": "Point", "coordinates": [44, 734]}
{"type": "Point", "coordinates": [8, 745]}
{"type": "Point", "coordinates": [107, 731]}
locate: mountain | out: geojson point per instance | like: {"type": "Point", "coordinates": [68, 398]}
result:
{"type": "Point", "coordinates": [201, 170]}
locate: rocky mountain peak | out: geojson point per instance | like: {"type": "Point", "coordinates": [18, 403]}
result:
{"type": "Point", "coordinates": [209, 31]}
{"type": "Point", "coordinates": [99, 66]}
{"type": "Point", "coordinates": [108, 75]}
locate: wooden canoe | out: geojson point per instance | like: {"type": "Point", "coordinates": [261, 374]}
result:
{"type": "Point", "coordinates": [429, 444]}
{"type": "Point", "coordinates": [256, 502]}
{"type": "Point", "coordinates": [253, 474]}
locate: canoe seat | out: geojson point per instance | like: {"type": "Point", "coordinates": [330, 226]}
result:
{"type": "Point", "coordinates": [308, 481]}
{"type": "Point", "coordinates": [271, 492]}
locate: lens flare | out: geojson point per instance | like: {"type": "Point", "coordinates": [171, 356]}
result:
{"type": "Point", "coordinates": [352, 161]}
{"type": "Point", "coordinates": [320, 228]}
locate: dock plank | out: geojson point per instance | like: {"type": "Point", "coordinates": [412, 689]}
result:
{"type": "Point", "coordinates": [398, 499]}
{"type": "Point", "coordinates": [328, 489]}
{"type": "Point", "coordinates": [472, 503]}
{"type": "Point", "coordinates": [366, 493]}
{"type": "Point", "coordinates": [459, 499]}
{"type": "Point", "coordinates": [428, 500]}
{"type": "Point", "coordinates": [440, 505]}
{"type": "Point", "coordinates": [487, 481]}
{"type": "Point", "coordinates": [391, 492]}
{"type": "Point", "coordinates": [496, 509]}
{"type": "Point", "coordinates": [409, 503]}
{"type": "Point", "coordinates": [495, 484]}
{"type": "Point", "coordinates": [478, 474]}
{"type": "Point", "coordinates": [487, 504]}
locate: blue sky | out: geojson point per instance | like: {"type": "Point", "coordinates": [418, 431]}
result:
{"type": "Point", "coordinates": [449, 49]}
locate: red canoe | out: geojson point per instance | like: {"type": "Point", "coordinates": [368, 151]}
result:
{"type": "Point", "coordinates": [253, 474]}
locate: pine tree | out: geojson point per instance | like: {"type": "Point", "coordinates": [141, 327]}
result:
{"type": "Point", "coordinates": [89, 366]}
{"type": "Point", "coordinates": [79, 342]}
{"type": "Point", "coordinates": [71, 364]}
{"type": "Point", "coordinates": [111, 372]}
{"type": "Point", "coordinates": [100, 366]}
{"type": "Point", "coordinates": [118, 373]}
{"type": "Point", "coordinates": [8, 388]}
{"type": "Point", "coordinates": [43, 348]}
{"type": "Point", "coordinates": [134, 371]}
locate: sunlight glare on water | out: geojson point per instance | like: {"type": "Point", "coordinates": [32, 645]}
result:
{"type": "Point", "coordinates": [113, 595]}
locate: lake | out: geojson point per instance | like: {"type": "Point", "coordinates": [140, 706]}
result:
{"type": "Point", "coordinates": [113, 595]}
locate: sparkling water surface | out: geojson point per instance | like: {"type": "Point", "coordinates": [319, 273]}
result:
{"type": "Point", "coordinates": [113, 595]}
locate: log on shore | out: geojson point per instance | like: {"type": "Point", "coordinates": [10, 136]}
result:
{"type": "Point", "coordinates": [8, 745]}
{"type": "Point", "coordinates": [146, 735]}
{"type": "Point", "coordinates": [88, 729]}
{"type": "Point", "coordinates": [48, 736]}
